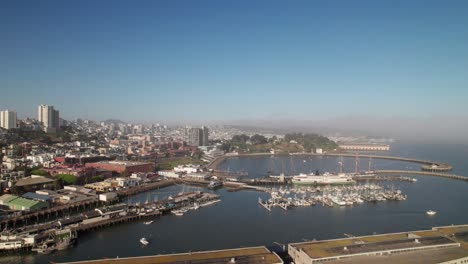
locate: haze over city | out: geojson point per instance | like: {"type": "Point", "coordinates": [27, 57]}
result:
{"type": "Point", "coordinates": [247, 131]}
{"type": "Point", "coordinates": [395, 68]}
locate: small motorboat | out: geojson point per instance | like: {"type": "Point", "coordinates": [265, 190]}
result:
{"type": "Point", "coordinates": [430, 212]}
{"type": "Point", "coordinates": [148, 222]}
{"type": "Point", "coordinates": [144, 241]}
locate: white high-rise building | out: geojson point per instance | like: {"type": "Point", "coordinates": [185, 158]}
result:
{"type": "Point", "coordinates": [49, 117]}
{"type": "Point", "coordinates": [8, 119]}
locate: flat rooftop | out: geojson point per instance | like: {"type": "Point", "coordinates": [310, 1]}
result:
{"type": "Point", "coordinates": [415, 257]}
{"type": "Point", "coordinates": [33, 180]}
{"type": "Point", "coordinates": [454, 237]}
{"type": "Point", "coordinates": [260, 255]}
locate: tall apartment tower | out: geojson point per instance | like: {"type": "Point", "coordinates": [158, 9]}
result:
{"type": "Point", "coordinates": [205, 134]}
{"type": "Point", "coordinates": [8, 119]}
{"type": "Point", "coordinates": [192, 136]}
{"type": "Point", "coordinates": [195, 136]}
{"type": "Point", "coordinates": [49, 118]}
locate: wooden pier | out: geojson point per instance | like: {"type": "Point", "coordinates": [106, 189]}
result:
{"type": "Point", "coordinates": [50, 213]}
{"type": "Point", "coordinates": [114, 221]}
{"type": "Point", "coordinates": [71, 208]}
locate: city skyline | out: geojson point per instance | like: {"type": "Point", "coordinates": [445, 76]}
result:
{"type": "Point", "coordinates": [278, 132]}
{"type": "Point", "coordinates": [228, 61]}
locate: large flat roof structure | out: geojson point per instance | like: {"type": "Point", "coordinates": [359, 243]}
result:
{"type": "Point", "coordinates": [257, 255]}
{"type": "Point", "coordinates": [33, 180]}
{"type": "Point", "coordinates": [430, 246]}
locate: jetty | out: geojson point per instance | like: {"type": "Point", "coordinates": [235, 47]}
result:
{"type": "Point", "coordinates": [427, 173]}
{"type": "Point", "coordinates": [428, 165]}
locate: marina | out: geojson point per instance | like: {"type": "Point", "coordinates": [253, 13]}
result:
{"type": "Point", "coordinates": [324, 220]}
{"type": "Point", "coordinates": [61, 234]}
{"type": "Point", "coordinates": [286, 198]}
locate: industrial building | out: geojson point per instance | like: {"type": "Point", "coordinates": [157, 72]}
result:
{"type": "Point", "coordinates": [365, 147]}
{"type": "Point", "coordinates": [439, 245]}
{"type": "Point", "coordinates": [257, 255]}
{"type": "Point", "coordinates": [22, 204]}
{"type": "Point", "coordinates": [35, 182]}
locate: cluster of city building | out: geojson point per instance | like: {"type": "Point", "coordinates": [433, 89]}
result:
{"type": "Point", "coordinates": [102, 158]}
{"type": "Point", "coordinates": [48, 120]}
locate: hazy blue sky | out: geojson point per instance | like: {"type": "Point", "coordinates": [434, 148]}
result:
{"type": "Point", "coordinates": [231, 60]}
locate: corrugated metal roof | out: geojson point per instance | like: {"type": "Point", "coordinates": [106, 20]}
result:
{"type": "Point", "coordinates": [7, 197]}
{"type": "Point", "coordinates": [70, 220]}
{"type": "Point", "coordinates": [22, 202]}
{"type": "Point", "coordinates": [32, 181]}
{"type": "Point", "coordinates": [36, 196]}
{"type": "Point", "coordinates": [92, 214]}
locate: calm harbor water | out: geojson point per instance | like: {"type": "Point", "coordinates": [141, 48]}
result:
{"type": "Point", "coordinates": [239, 221]}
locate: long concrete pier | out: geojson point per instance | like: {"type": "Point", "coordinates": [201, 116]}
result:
{"type": "Point", "coordinates": [429, 168]}
{"type": "Point", "coordinates": [428, 165]}
{"type": "Point", "coordinates": [428, 173]}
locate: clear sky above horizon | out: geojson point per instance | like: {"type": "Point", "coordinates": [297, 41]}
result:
{"type": "Point", "coordinates": [230, 60]}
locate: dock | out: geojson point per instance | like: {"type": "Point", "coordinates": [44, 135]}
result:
{"type": "Point", "coordinates": [440, 244]}
{"type": "Point", "coordinates": [266, 205]}
{"type": "Point", "coordinates": [75, 207]}
{"type": "Point", "coordinates": [427, 165]}
{"type": "Point", "coordinates": [260, 255]}
{"type": "Point", "coordinates": [114, 221]}
{"type": "Point", "coordinates": [426, 173]}
{"type": "Point", "coordinates": [50, 213]}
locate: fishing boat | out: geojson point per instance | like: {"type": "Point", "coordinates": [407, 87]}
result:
{"type": "Point", "coordinates": [144, 241]}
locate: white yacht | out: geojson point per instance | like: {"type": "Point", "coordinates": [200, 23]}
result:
{"type": "Point", "coordinates": [430, 212]}
{"type": "Point", "coordinates": [324, 179]}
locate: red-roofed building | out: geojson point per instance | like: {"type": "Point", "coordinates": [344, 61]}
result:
{"type": "Point", "coordinates": [121, 166]}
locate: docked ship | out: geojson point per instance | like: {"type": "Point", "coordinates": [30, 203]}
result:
{"type": "Point", "coordinates": [324, 179]}
{"type": "Point", "coordinates": [364, 174]}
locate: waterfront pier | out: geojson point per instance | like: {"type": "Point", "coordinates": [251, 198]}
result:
{"type": "Point", "coordinates": [427, 173]}
{"type": "Point", "coordinates": [146, 187]}
{"type": "Point", "coordinates": [428, 165]}
{"type": "Point", "coordinates": [50, 213]}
